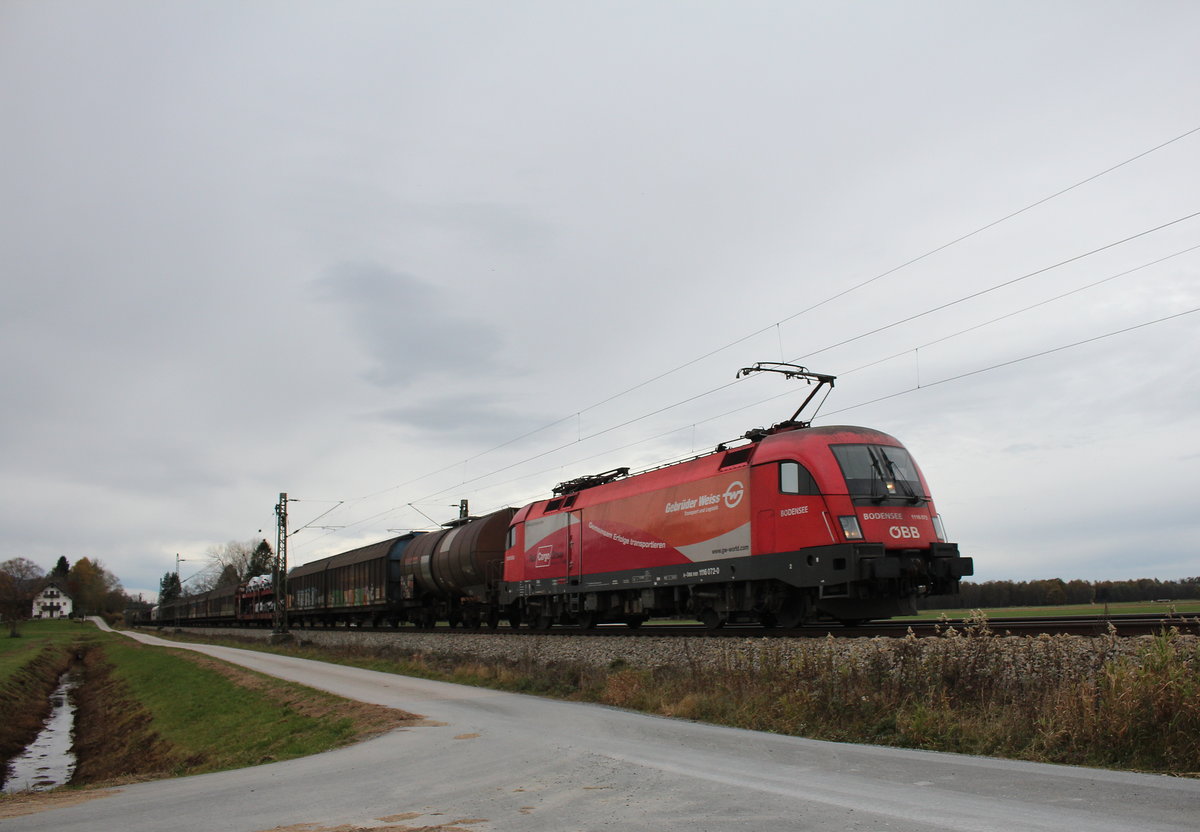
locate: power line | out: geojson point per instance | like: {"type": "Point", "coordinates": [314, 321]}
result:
{"type": "Point", "coordinates": [817, 305]}
{"type": "Point", "coordinates": [998, 286]}
{"type": "Point", "coordinates": [1051, 351]}
{"type": "Point", "coordinates": [1023, 310]}
{"type": "Point", "coordinates": [922, 346]}
{"type": "Point", "coordinates": [958, 377]}
{"type": "Point", "coordinates": [691, 399]}
{"type": "Point", "coordinates": [914, 389]}
{"type": "Point", "coordinates": [901, 266]}
{"type": "Point", "coordinates": [549, 452]}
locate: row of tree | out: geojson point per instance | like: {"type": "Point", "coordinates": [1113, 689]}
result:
{"type": "Point", "coordinates": [1057, 591]}
{"type": "Point", "coordinates": [93, 589]}
{"type": "Point", "coordinates": [230, 563]}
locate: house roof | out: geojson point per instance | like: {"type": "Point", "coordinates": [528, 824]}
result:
{"type": "Point", "coordinates": [57, 585]}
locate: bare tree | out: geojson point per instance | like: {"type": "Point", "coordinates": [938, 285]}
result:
{"type": "Point", "coordinates": [20, 578]}
{"type": "Point", "coordinates": [229, 563]}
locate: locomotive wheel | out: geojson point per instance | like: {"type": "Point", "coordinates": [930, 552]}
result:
{"type": "Point", "coordinates": [587, 620]}
{"type": "Point", "coordinates": [544, 621]}
{"type": "Point", "coordinates": [493, 619]}
{"type": "Point", "coordinates": [634, 621]}
{"type": "Point", "coordinates": [711, 619]}
{"type": "Point", "coordinates": [794, 612]}
{"type": "Point", "coordinates": [768, 620]}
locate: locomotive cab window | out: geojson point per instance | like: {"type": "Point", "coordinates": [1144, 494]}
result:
{"type": "Point", "coordinates": [794, 478]}
{"type": "Point", "coordinates": [879, 473]}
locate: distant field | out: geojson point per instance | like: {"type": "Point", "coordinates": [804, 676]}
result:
{"type": "Point", "coordinates": [1188, 608]}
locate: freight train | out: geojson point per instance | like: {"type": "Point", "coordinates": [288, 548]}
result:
{"type": "Point", "coordinates": [792, 525]}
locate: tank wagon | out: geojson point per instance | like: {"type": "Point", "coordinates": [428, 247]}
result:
{"type": "Point", "coordinates": [455, 574]}
{"type": "Point", "coordinates": [795, 523]}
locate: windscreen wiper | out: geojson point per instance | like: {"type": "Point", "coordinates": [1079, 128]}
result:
{"type": "Point", "coordinates": [913, 497]}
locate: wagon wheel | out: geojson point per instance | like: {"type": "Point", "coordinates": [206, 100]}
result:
{"type": "Point", "coordinates": [711, 619]}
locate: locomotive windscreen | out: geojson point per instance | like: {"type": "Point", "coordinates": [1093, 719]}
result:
{"type": "Point", "coordinates": [876, 473]}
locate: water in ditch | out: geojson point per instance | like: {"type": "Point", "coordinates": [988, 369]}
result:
{"type": "Point", "coordinates": [49, 760]}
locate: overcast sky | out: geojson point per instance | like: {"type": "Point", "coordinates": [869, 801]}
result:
{"type": "Point", "coordinates": [397, 254]}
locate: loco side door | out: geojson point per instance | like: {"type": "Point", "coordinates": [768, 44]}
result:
{"type": "Point", "coordinates": [574, 547]}
{"type": "Point", "coordinates": [790, 512]}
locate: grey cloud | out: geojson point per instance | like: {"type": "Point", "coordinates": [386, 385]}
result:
{"type": "Point", "coordinates": [474, 417]}
{"type": "Point", "coordinates": [410, 328]}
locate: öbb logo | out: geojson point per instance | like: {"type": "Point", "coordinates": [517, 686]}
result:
{"type": "Point", "coordinates": [904, 532]}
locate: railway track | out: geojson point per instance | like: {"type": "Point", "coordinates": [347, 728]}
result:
{"type": "Point", "coordinates": [1121, 625]}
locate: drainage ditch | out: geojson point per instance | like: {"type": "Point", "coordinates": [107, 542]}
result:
{"type": "Point", "coordinates": [49, 760]}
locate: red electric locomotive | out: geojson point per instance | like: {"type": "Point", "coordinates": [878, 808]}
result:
{"type": "Point", "coordinates": [798, 523]}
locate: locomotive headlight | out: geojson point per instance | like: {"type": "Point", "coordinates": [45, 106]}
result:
{"type": "Point", "coordinates": [938, 528]}
{"type": "Point", "coordinates": [850, 527]}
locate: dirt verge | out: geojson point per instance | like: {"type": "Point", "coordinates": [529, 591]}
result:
{"type": "Point", "coordinates": [115, 738]}
{"type": "Point", "coordinates": [114, 735]}
{"type": "Point", "coordinates": [30, 803]}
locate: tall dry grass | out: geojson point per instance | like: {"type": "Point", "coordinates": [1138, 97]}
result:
{"type": "Point", "coordinates": [1101, 702]}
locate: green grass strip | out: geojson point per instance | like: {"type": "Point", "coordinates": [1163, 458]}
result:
{"type": "Point", "coordinates": [15, 653]}
{"type": "Point", "coordinates": [206, 716]}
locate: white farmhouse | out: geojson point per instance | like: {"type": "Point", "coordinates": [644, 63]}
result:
{"type": "Point", "coordinates": [52, 602]}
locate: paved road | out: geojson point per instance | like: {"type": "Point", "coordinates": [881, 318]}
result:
{"type": "Point", "coordinates": [511, 762]}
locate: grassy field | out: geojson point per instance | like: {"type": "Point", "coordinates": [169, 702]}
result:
{"type": "Point", "coordinates": [36, 636]}
{"type": "Point", "coordinates": [150, 711]}
{"type": "Point", "coordinates": [1188, 608]}
{"type": "Point", "coordinates": [212, 716]}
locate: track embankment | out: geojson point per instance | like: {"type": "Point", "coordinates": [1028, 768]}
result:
{"type": "Point", "coordinates": [651, 652]}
